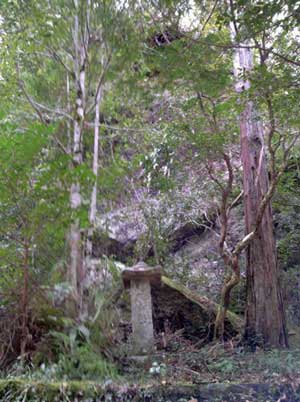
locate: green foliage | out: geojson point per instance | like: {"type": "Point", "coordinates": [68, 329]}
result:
{"type": "Point", "coordinates": [68, 353]}
{"type": "Point", "coordinates": [224, 366]}
{"type": "Point", "coordinates": [168, 109]}
{"type": "Point", "coordinates": [34, 217]}
{"type": "Point", "coordinates": [39, 390]}
{"type": "Point", "coordinates": [159, 164]}
{"type": "Point", "coordinates": [229, 365]}
{"type": "Point", "coordinates": [110, 178]}
{"type": "Point", "coordinates": [78, 361]}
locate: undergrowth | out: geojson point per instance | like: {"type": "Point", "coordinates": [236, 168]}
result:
{"type": "Point", "coordinates": [84, 376]}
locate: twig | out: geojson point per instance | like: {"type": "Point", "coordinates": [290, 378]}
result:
{"type": "Point", "coordinates": [209, 16]}
{"type": "Point", "coordinates": [236, 200]}
{"type": "Point", "coordinates": [100, 83]}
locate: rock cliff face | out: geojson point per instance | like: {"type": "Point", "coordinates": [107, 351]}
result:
{"type": "Point", "coordinates": [178, 229]}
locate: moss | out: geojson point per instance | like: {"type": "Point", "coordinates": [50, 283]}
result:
{"type": "Point", "coordinates": [12, 389]}
{"type": "Point", "coordinates": [205, 303]}
{"type": "Point", "coordinates": [15, 390]}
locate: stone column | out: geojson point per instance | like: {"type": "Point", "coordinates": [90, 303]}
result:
{"type": "Point", "coordinates": [141, 316]}
{"type": "Point", "coordinates": [139, 279]}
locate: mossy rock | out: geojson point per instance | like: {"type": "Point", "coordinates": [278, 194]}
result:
{"type": "Point", "coordinates": [185, 310]}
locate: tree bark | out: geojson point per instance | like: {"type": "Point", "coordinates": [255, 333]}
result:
{"type": "Point", "coordinates": [81, 42]}
{"type": "Point", "coordinates": [93, 208]}
{"type": "Point", "coordinates": [265, 317]}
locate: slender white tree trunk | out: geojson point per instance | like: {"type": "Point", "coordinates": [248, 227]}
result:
{"type": "Point", "coordinates": [80, 39]}
{"type": "Point", "coordinates": [95, 158]}
{"type": "Point", "coordinates": [93, 207]}
{"type": "Point", "coordinates": [69, 139]}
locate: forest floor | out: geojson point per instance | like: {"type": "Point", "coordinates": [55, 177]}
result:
{"type": "Point", "coordinates": [212, 373]}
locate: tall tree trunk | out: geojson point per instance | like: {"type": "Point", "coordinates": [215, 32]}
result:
{"type": "Point", "coordinates": [265, 318]}
{"type": "Point", "coordinates": [93, 206]}
{"type": "Point", "coordinates": [81, 42]}
{"type": "Point", "coordinates": [265, 321]}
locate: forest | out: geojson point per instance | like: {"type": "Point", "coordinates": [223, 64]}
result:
{"type": "Point", "coordinates": [149, 200]}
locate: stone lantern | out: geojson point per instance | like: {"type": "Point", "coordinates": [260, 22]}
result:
{"type": "Point", "coordinates": [139, 279]}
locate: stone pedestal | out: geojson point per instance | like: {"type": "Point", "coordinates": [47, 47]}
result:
{"type": "Point", "coordinates": [139, 279]}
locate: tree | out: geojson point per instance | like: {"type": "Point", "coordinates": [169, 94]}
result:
{"type": "Point", "coordinates": [265, 315]}
{"type": "Point", "coordinates": [79, 43]}
{"type": "Point", "coordinates": [70, 66]}
{"type": "Point", "coordinates": [34, 218]}
{"type": "Point", "coordinates": [255, 23]}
